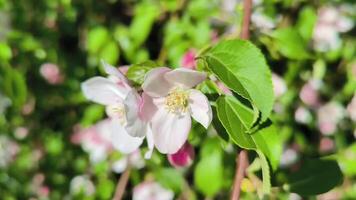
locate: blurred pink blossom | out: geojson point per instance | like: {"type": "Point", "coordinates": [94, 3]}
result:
{"type": "Point", "coordinates": [289, 157]}
{"type": "Point", "coordinates": [21, 132]}
{"type": "Point", "coordinates": [330, 23]}
{"type": "Point", "coordinates": [94, 140]}
{"type": "Point", "coordinates": [8, 150]}
{"type": "Point", "coordinates": [151, 191]}
{"type": "Point", "coordinates": [351, 108]}
{"type": "Point", "coordinates": [329, 116]}
{"type": "Point", "coordinates": [82, 183]}
{"type": "Point", "coordinates": [43, 191]}
{"type": "Point", "coordinates": [279, 85]}
{"type": "Point", "coordinates": [326, 145]}
{"type": "Point", "coordinates": [188, 59]}
{"type": "Point", "coordinates": [51, 73]}
{"type": "Point", "coordinates": [302, 115]}
{"type": "Point", "coordinates": [309, 93]}
{"type": "Point", "coordinates": [29, 107]}
{"type": "Point", "coordinates": [184, 157]}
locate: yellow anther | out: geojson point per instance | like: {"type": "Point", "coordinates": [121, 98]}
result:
{"type": "Point", "coordinates": [177, 101]}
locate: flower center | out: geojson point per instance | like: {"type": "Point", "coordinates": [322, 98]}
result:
{"type": "Point", "coordinates": [117, 111]}
{"type": "Point", "coordinates": [177, 101]}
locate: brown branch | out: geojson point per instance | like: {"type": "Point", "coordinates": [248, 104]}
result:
{"type": "Point", "coordinates": [121, 185]}
{"type": "Point", "coordinates": [242, 158]}
{"type": "Point", "coordinates": [245, 32]}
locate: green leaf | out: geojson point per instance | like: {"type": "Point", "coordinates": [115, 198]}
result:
{"type": "Point", "coordinates": [347, 160]}
{"type": "Point", "coordinates": [145, 15]}
{"type": "Point", "coordinates": [137, 72]}
{"type": "Point", "coordinates": [290, 43]}
{"type": "Point", "coordinates": [170, 178]}
{"type": "Point", "coordinates": [314, 177]}
{"type": "Point", "coordinates": [110, 52]}
{"type": "Point", "coordinates": [237, 119]}
{"type": "Point", "coordinates": [5, 52]}
{"type": "Point", "coordinates": [208, 173]}
{"type": "Point", "coordinates": [242, 67]}
{"type": "Point", "coordinates": [13, 84]}
{"type": "Point", "coordinates": [306, 22]}
{"type": "Point", "coordinates": [97, 37]}
{"type": "Point", "coordinates": [266, 186]}
{"type": "Point", "coordinates": [270, 143]}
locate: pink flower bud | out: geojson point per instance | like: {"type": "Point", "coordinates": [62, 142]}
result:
{"type": "Point", "coordinates": [326, 145]}
{"type": "Point", "coordinates": [183, 157]}
{"type": "Point", "coordinates": [188, 60]}
{"type": "Point", "coordinates": [51, 73]}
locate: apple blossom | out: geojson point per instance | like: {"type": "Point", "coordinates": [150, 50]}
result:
{"type": "Point", "coordinates": [169, 103]}
{"type": "Point", "coordinates": [123, 106]}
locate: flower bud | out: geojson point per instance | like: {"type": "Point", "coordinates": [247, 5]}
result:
{"type": "Point", "coordinates": [183, 157]}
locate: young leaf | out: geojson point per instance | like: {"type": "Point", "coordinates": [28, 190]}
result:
{"type": "Point", "coordinates": [137, 72]}
{"type": "Point", "coordinates": [315, 177]}
{"type": "Point", "coordinates": [237, 119]}
{"type": "Point", "coordinates": [266, 186]}
{"type": "Point", "coordinates": [242, 67]}
{"type": "Point", "coordinates": [268, 141]}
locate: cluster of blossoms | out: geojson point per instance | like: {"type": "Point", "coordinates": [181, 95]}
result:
{"type": "Point", "coordinates": [161, 113]}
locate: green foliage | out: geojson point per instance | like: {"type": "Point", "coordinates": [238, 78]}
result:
{"type": "Point", "coordinates": [209, 168]}
{"type": "Point", "coordinates": [290, 43]}
{"type": "Point", "coordinates": [137, 72]}
{"type": "Point", "coordinates": [314, 177]}
{"type": "Point", "coordinates": [239, 64]}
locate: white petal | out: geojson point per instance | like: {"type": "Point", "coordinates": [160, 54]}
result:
{"type": "Point", "coordinates": [150, 143]}
{"type": "Point", "coordinates": [200, 108]}
{"type": "Point", "coordinates": [103, 91]}
{"type": "Point", "coordinates": [155, 84]}
{"type": "Point", "coordinates": [122, 141]}
{"type": "Point", "coordinates": [134, 126]}
{"type": "Point", "coordinates": [186, 78]}
{"type": "Point", "coordinates": [170, 131]}
{"type": "Point", "coordinates": [148, 108]}
{"type": "Point", "coordinates": [110, 70]}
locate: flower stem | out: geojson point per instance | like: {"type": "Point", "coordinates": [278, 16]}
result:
{"type": "Point", "coordinates": [242, 157]}
{"type": "Point", "coordinates": [121, 185]}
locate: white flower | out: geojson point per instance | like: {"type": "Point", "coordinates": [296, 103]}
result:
{"type": "Point", "coordinates": [123, 106]}
{"type": "Point", "coordinates": [169, 102]}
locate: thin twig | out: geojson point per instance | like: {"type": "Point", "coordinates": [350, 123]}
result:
{"type": "Point", "coordinates": [242, 158]}
{"type": "Point", "coordinates": [245, 32]}
{"type": "Point", "coordinates": [121, 185]}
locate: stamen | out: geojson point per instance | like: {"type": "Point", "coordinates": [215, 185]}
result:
{"type": "Point", "coordinates": [177, 101]}
{"type": "Point", "coordinates": [117, 111]}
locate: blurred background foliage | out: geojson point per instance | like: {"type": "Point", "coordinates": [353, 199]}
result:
{"type": "Point", "coordinates": [48, 47]}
